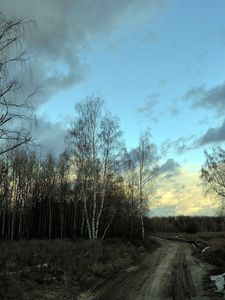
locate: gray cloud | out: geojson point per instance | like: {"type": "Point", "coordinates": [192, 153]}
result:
{"type": "Point", "coordinates": [180, 145]}
{"type": "Point", "coordinates": [213, 99]}
{"type": "Point", "coordinates": [170, 168]}
{"type": "Point", "coordinates": [66, 29]}
{"type": "Point", "coordinates": [149, 108]}
{"type": "Point", "coordinates": [213, 135]}
{"type": "Point", "coordinates": [50, 136]}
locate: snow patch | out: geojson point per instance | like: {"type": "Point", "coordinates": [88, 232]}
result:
{"type": "Point", "coordinates": [203, 250]}
{"type": "Point", "coordinates": [219, 281]}
{"type": "Point", "coordinates": [132, 269]}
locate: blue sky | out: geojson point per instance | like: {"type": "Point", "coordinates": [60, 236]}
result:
{"type": "Point", "coordinates": [156, 63]}
{"type": "Point", "coordinates": [151, 66]}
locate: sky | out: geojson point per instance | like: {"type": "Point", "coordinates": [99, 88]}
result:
{"type": "Point", "coordinates": [157, 64]}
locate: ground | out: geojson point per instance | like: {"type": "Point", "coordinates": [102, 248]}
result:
{"type": "Point", "coordinates": [171, 272]}
{"type": "Point", "coordinates": [167, 267]}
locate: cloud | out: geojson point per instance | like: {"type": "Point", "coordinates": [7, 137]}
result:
{"type": "Point", "coordinates": [65, 30]}
{"type": "Point", "coordinates": [212, 135]}
{"type": "Point", "coordinates": [50, 136]}
{"type": "Point", "coordinates": [133, 154]}
{"type": "Point", "coordinates": [149, 108]}
{"type": "Point", "coordinates": [180, 145]}
{"type": "Point", "coordinates": [169, 169]}
{"type": "Point", "coordinates": [182, 194]}
{"type": "Point", "coordinates": [174, 110]}
{"type": "Point", "coordinates": [213, 99]}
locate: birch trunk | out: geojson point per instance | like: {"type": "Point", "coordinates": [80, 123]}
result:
{"type": "Point", "coordinates": [86, 215]}
{"type": "Point", "coordinates": [100, 212]}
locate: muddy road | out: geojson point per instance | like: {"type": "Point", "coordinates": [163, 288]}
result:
{"type": "Point", "coordinates": [171, 272]}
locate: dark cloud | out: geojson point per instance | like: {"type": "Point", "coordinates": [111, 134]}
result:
{"type": "Point", "coordinates": [135, 152]}
{"type": "Point", "coordinates": [132, 157]}
{"type": "Point", "coordinates": [213, 99]}
{"type": "Point", "coordinates": [49, 136]}
{"type": "Point", "coordinates": [213, 135]}
{"type": "Point", "coordinates": [170, 168]}
{"type": "Point", "coordinates": [66, 29]}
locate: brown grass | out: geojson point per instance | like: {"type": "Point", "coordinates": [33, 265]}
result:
{"type": "Point", "coordinates": [43, 269]}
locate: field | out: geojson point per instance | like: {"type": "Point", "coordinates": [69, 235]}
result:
{"type": "Point", "coordinates": [62, 269]}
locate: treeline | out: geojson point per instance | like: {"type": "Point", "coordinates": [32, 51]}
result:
{"type": "Point", "coordinates": [187, 224]}
{"type": "Point", "coordinates": [94, 189]}
{"type": "Point", "coordinates": [39, 200]}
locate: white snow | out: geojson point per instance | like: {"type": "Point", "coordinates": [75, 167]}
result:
{"type": "Point", "coordinates": [133, 268]}
{"type": "Point", "coordinates": [203, 250]}
{"type": "Point", "coordinates": [219, 281]}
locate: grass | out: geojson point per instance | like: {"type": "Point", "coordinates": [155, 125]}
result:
{"type": "Point", "coordinates": [55, 269]}
{"type": "Point", "coordinates": [215, 255]}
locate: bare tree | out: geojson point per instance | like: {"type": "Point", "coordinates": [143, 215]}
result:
{"type": "Point", "coordinates": [213, 176]}
{"type": "Point", "coordinates": [146, 172]}
{"type": "Point", "coordinates": [95, 143]}
{"type": "Point", "coordinates": [12, 109]}
{"type": "Point", "coordinates": [63, 174]}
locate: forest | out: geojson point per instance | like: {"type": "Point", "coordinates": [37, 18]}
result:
{"type": "Point", "coordinates": [96, 188]}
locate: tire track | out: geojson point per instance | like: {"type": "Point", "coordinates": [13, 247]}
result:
{"type": "Point", "coordinates": [170, 273]}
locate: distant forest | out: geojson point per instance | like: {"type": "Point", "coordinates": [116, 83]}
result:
{"type": "Point", "coordinates": [185, 224]}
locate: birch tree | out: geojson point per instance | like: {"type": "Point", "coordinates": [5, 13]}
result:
{"type": "Point", "coordinates": [95, 145]}
{"type": "Point", "coordinates": [146, 172]}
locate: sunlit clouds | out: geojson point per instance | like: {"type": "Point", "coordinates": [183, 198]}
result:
{"type": "Point", "coordinates": [182, 194]}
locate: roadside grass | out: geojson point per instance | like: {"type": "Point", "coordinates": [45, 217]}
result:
{"type": "Point", "coordinates": [215, 254]}
{"type": "Point", "coordinates": [42, 269]}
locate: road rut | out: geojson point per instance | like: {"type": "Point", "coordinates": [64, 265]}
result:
{"type": "Point", "coordinates": [171, 272]}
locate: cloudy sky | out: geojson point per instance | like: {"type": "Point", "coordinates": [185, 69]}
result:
{"type": "Point", "coordinates": [156, 63]}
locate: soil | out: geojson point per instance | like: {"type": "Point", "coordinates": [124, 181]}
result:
{"type": "Point", "coordinates": [171, 272]}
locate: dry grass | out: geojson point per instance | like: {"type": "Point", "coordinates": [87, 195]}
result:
{"type": "Point", "coordinates": [215, 254]}
{"type": "Point", "coordinates": [43, 269]}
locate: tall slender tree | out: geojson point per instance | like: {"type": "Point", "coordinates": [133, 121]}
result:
{"type": "Point", "coordinates": [95, 142]}
{"type": "Point", "coordinates": [146, 172]}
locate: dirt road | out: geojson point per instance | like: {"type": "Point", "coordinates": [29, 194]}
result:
{"type": "Point", "coordinates": [171, 272]}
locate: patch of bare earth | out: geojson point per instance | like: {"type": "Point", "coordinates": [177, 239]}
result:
{"type": "Point", "coordinates": [171, 272]}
